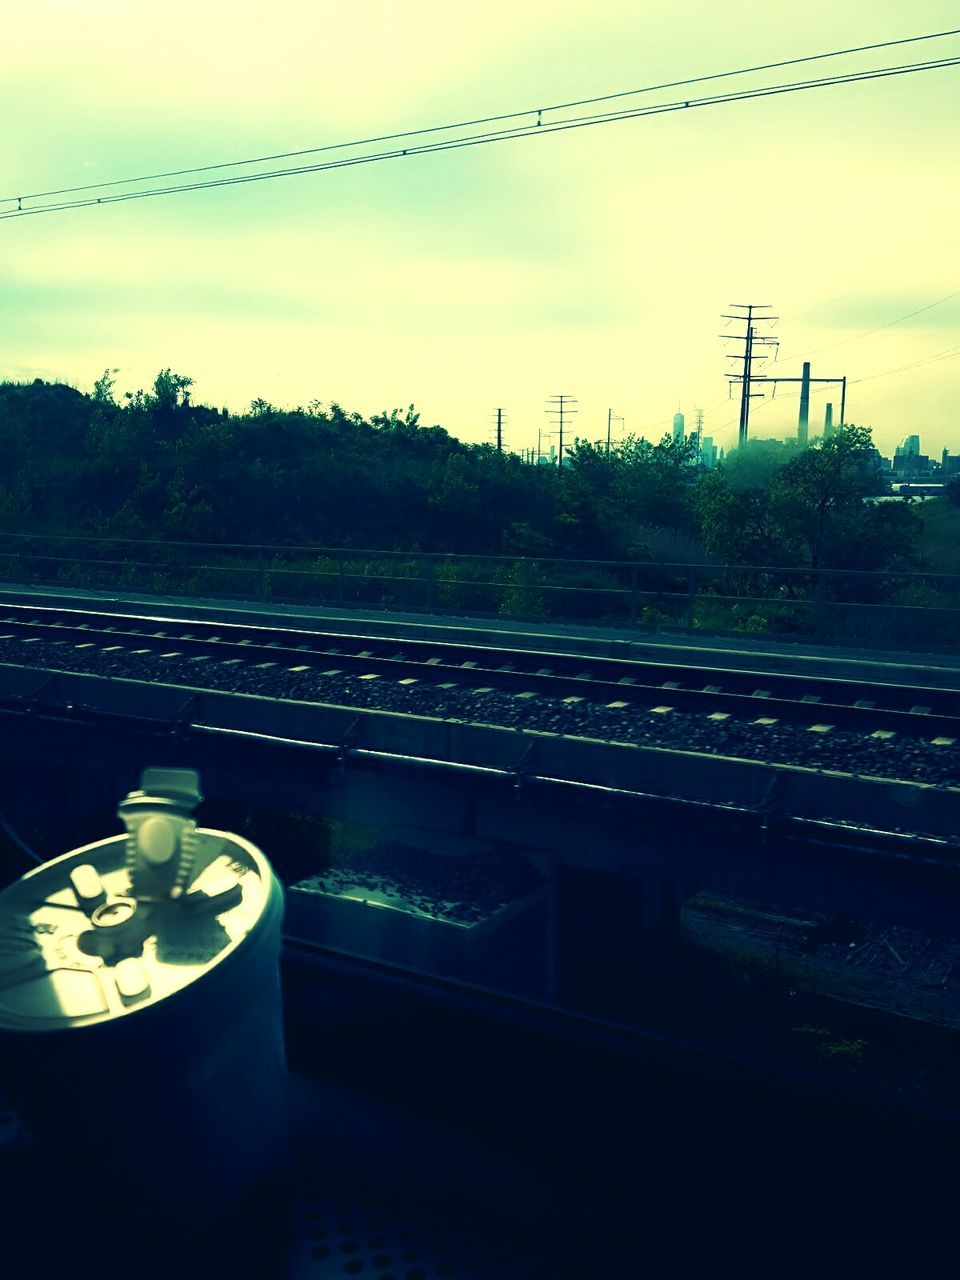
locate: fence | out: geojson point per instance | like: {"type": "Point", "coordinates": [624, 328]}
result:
{"type": "Point", "coordinates": [864, 607]}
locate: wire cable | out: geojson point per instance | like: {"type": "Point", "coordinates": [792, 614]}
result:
{"type": "Point", "coordinates": [950, 353]}
{"type": "Point", "coordinates": [500, 135]}
{"type": "Point", "coordinates": [880, 327]}
{"type": "Point", "coordinates": [494, 119]}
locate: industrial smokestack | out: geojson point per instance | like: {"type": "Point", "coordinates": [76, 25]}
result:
{"type": "Point", "coordinates": [803, 423]}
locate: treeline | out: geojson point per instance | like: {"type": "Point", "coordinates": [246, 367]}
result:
{"type": "Point", "coordinates": [156, 465]}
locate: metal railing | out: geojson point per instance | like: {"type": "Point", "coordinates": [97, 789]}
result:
{"type": "Point", "coordinates": [830, 604]}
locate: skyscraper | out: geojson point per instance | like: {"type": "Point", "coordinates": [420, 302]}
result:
{"type": "Point", "coordinates": [910, 447]}
{"type": "Point", "coordinates": [678, 427]}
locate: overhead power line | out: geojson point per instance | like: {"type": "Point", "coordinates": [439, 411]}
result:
{"type": "Point", "coordinates": [478, 120]}
{"type": "Point", "coordinates": [867, 333]}
{"type": "Point", "coordinates": [537, 127]}
{"type": "Point", "coordinates": [951, 353]}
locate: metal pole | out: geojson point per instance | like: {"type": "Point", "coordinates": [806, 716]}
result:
{"type": "Point", "coordinates": [691, 599]}
{"type": "Point", "coordinates": [745, 387]}
{"type": "Point", "coordinates": [843, 401]}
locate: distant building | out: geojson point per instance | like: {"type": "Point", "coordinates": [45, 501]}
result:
{"type": "Point", "coordinates": [679, 422]}
{"type": "Point", "coordinates": [910, 466]}
{"type": "Point", "coordinates": [909, 463]}
{"type": "Point", "coordinates": [708, 452]}
{"type": "Point", "coordinates": [949, 465]}
{"type": "Point", "coordinates": [909, 448]}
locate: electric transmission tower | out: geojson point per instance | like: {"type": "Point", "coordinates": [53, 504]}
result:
{"type": "Point", "coordinates": [560, 409]}
{"type": "Point", "coordinates": [752, 342]}
{"type": "Point", "coordinates": [499, 418]}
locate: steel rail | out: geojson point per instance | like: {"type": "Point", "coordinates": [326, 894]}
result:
{"type": "Point", "coordinates": [915, 710]}
{"type": "Point", "coordinates": [889, 844]}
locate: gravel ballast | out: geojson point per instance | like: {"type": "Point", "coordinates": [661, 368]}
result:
{"type": "Point", "coordinates": [897, 757]}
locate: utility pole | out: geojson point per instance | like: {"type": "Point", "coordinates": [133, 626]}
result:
{"type": "Point", "coordinates": [560, 409]}
{"type": "Point", "coordinates": [611, 418]}
{"type": "Point", "coordinates": [500, 417]}
{"type": "Point", "coordinates": [751, 341]}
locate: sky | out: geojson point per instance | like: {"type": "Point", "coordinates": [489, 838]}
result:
{"type": "Point", "coordinates": [595, 262]}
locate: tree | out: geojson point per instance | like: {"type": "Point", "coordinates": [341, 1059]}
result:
{"type": "Point", "coordinates": [742, 526]}
{"type": "Point", "coordinates": [170, 389]}
{"type": "Point", "coordinates": [755, 463]}
{"type": "Point", "coordinates": [103, 387]}
{"type": "Point", "coordinates": [739, 518]}
{"type": "Point", "coordinates": [818, 498]}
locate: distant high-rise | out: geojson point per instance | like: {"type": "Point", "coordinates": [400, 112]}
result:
{"type": "Point", "coordinates": [708, 452]}
{"type": "Point", "coordinates": [679, 423]}
{"type": "Point", "coordinates": [910, 447]}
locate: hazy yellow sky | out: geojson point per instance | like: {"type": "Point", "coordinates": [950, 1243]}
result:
{"type": "Point", "coordinates": [594, 262]}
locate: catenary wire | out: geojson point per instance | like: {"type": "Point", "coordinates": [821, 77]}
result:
{"type": "Point", "coordinates": [493, 119]}
{"type": "Point", "coordinates": [493, 136]}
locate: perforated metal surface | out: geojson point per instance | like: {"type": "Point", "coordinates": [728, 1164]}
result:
{"type": "Point", "coordinates": [354, 1225]}
{"type": "Point", "coordinates": [348, 1219]}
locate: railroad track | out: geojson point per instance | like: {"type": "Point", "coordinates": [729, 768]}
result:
{"type": "Point", "coordinates": [720, 693]}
